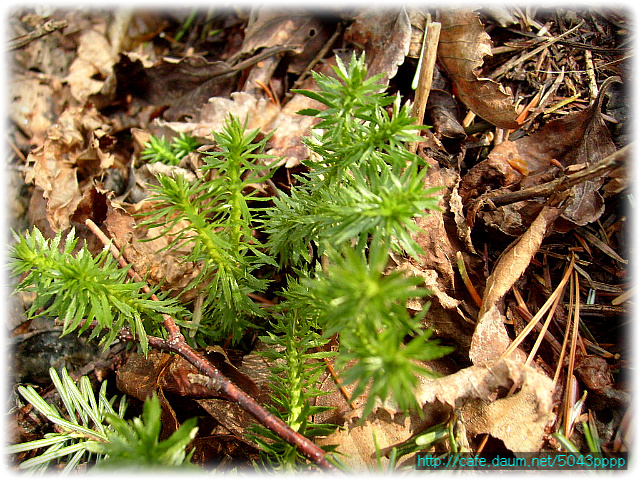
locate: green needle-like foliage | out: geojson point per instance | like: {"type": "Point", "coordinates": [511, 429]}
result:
{"type": "Point", "coordinates": [85, 291]}
{"type": "Point", "coordinates": [292, 339]}
{"type": "Point", "coordinates": [367, 308]}
{"type": "Point", "coordinates": [160, 150]}
{"type": "Point", "coordinates": [357, 201]}
{"type": "Point", "coordinates": [219, 223]}
{"type": "Point", "coordinates": [135, 444]}
{"type": "Point", "coordinates": [79, 429]}
{"type": "Point", "coordinates": [92, 431]}
{"type": "Point", "coordinates": [362, 180]}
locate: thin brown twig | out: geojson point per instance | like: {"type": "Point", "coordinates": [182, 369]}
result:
{"type": "Point", "coordinates": [40, 31]}
{"type": "Point", "coordinates": [339, 384]}
{"type": "Point", "coordinates": [595, 170]}
{"type": "Point", "coordinates": [175, 342]}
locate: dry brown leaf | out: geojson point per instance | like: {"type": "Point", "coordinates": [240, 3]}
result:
{"type": "Point", "coordinates": [288, 129]}
{"type": "Point", "coordinates": [461, 51]}
{"type": "Point", "coordinates": [159, 372]}
{"type": "Point", "coordinates": [268, 27]}
{"type": "Point", "coordinates": [519, 420]}
{"type": "Point", "coordinates": [463, 228]}
{"type": "Point", "coordinates": [577, 139]}
{"type": "Point", "coordinates": [514, 261]}
{"type": "Point", "coordinates": [439, 245]}
{"type": "Point", "coordinates": [166, 268]}
{"type": "Point", "coordinates": [385, 34]}
{"type": "Point", "coordinates": [483, 383]}
{"type": "Point", "coordinates": [59, 183]}
{"type": "Point", "coordinates": [64, 156]}
{"type": "Point", "coordinates": [228, 414]}
{"type": "Point", "coordinates": [418, 20]}
{"type": "Point", "coordinates": [92, 65]}
{"type": "Point", "coordinates": [594, 371]}
{"type": "Point", "coordinates": [31, 107]}
{"type": "Point", "coordinates": [287, 126]}
{"type": "Point", "coordinates": [516, 420]}
{"type": "Point", "coordinates": [214, 114]}
{"type": "Point", "coordinates": [357, 441]}
{"type": "Point", "coordinates": [138, 377]}
{"type": "Point", "coordinates": [444, 111]}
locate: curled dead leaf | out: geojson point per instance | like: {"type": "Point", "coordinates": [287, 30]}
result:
{"type": "Point", "coordinates": [165, 268]}
{"type": "Point", "coordinates": [516, 420]}
{"type": "Point", "coordinates": [514, 261]}
{"type": "Point", "coordinates": [70, 153]}
{"type": "Point", "coordinates": [93, 63]}
{"type": "Point", "coordinates": [386, 35]}
{"type": "Point", "coordinates": [490, 339]}
{"type": "Point", "coordinates": [461, 51]}
{"type": "Point", "coordinates": [519, 420]}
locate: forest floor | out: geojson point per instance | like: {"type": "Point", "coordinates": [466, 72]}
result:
{"type": "Point", "coordinates": [530, 119]}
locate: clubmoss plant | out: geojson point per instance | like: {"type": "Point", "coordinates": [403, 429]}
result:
{"type": "Point", "coordinates": [160, 150]}
{"type": "Point", "coordinates": [352, 297]}
{"type": "Point", "coordinates": [219, 224]}
{"type": "Point", "coordinates": [357, 203]}
{"type": "Point", "coordinates": [294, 349]}
{"type": "Point", "coordinates": [334, 229]}
{"type": "Point", "coordinates": [85, 291]}
{"type": "Point", "coordinates": [361, 180]}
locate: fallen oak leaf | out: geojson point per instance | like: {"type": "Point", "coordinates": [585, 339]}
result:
{"type": "Point", "coordinates": [461, 51]}
{"type": "Point", "coordinates": [386, 36]}
{"type": "Point", "coordinates": [67, 161]}
{"type": "Point", "coordinates": [490, 339]}
{"type": "Point", "coordinates": [516, 419]}
{"type": "Point", "coordinates": [514, 261]}
{"type": "Point", "coordinates": [519, 420]}
{"type": "Point", "coordinates": [140, 249]}
{"type": "Point", "coordinates": [483, 382]}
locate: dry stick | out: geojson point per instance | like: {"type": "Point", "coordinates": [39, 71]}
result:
{"type": "Point", "coordinates": [339, 384]}
{"type": "Point", "coordinates": [177, 344]}
{"type": "Point", "coordinates": [564, 183]}
{"type": "Point", "coordinates": [39, 31]}
{"type": "Point", "coordinates": [512, 63]}
{"type": "Point", "coordinates": [591, 73]}
{"type": "Point", "coordinates": [426, 76]}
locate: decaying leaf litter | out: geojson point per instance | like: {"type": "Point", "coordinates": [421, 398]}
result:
{"type": "Point", "coordinates": [519, 98]}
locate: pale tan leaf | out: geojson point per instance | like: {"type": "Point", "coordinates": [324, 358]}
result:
{"type": "Point", "coordinates": [483, 383]}
{"type": "Point", "coordinates": [512, 263]}
{"type": "Point", "coordinates": [94, 59]}
{"type": "Point", "coordinates": [490, 339]}
{"type": "Point", "coordinates": [517, 420]}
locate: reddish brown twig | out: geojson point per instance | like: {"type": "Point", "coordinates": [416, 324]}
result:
{"type": "Point", "coordinates": [176, 343]}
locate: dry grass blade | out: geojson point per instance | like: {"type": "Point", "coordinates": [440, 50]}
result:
{"type": "Point", "coordinates": [536, 318]}
{"type": "Point", "coordinates": [572, 354]}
